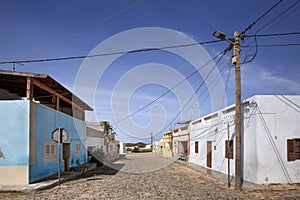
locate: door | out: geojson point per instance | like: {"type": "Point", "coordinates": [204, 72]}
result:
{"type": "Point", "coordinates": [66, 156]}
{"type": "Point", "coordinates": [209, 154]}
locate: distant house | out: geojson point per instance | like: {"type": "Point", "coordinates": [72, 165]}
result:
{"type": "Point", "coordinates": [95, 137]}
{"type": "Point", "coordinates": [181, 142]}
{"type": "Point", "coordinates": [270, 139]}
{"type": "Point", "coordinates": [32, 106]}
{"type": "Point", "coordinates": [167, 142]}
{"type": "Point", "coordinates": [122, 148]}
{"type": "Point", "coordinates": [161, 145]}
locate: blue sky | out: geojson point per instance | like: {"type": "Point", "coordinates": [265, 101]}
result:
{"type": "Point", "coordinates": [30, 26]}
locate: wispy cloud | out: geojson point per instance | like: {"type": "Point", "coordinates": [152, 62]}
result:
{"type": "Point", "coordinates": [261, 80]}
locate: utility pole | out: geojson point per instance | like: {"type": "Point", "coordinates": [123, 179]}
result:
{"type": "Point", "coordinates": [238, 154]}
{"type": "Point", "coordinates": [152, 142]}
{"type": "Point", "coordinates": [228, 157]}
{"type": "Point", "coordinates": [235, 43]}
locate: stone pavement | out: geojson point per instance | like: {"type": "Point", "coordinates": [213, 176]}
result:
{"type": "Point", "coordinates": [47, 183]}
{"type": "Point", "coordinates": [148, 176]}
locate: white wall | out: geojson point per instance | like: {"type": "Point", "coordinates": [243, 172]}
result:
{"type": "Point", "coordinates": [264, 137]}
{"type": "Point", "coordinates": [95, 142]}
{"type": "Point", "coordinates": [122, 148]}
{"type": "Point", "coordinates": [280, 121]}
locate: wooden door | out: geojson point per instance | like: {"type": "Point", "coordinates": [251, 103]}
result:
{"type": "Point", "coordinates": [209, 154]}
{"type": "Point", "coordinates": [66, 156]}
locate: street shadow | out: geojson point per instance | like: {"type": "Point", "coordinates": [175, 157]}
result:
{"type": "Point", "coordinates": [108, 168]}
{"type": "Point", "coordinates": [101, 170]}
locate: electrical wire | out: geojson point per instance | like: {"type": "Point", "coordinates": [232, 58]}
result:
{"type": "Point", "coordinates": [226, 85]}
{"type": "Point", "coordinates": [168, 91]}
{"type": "Point", "coordinates": [261, 28]}
{"type": "Point", "coordinates": [108, 54]}
{"type": "Point", "coordinates": [279, 15]}
{"type": "Point", "coordinates": [258, 19]}
{"type": "Point", "coordinates": [86, 30]}
{"type": "Point", "coordinates": [273, 34]}
{"type": "Point", "coordinates": [202, 83]}
{"type": "Point", "coordinates": [144, 50]}
{"type": "Point", "coordinates": [273, 45]}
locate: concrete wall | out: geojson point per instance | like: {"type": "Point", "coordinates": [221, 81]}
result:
{"type": "Point", "coordinates": [14, 142]}
{"type": "Point", "coordinates": [45, 121]}
{"type": "Point", "coordinates": [267, 124]}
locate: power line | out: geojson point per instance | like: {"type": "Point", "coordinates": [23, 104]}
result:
{"type": "Point", "coordinates": [202, 83]}
{"type": "Point", "coordinates": [273, 45]}
{"type": "Point", "coordinates": [168, 91]}
{"type": "Point", "coordinates": [279, 15]}
{"type": "Point", "coordinates": [108, 54]}
{"type": "Point", "coordinates": [273, 34]}
{"type": "Point", "coordinates": [226, 84]}
{"type": "Point", "coordinates": [87, 30]}
{"type": "Point", "coordinates": [268, 23]}
{"type": "Point", "coordinates": [222, 72]}
{"type": "Point", "coordinates": [262, 16]}
{"type": "Point", "coordinates": [140, 50]}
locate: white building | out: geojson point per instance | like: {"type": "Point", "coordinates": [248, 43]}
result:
{"type": "Point", "coordinates": [270, 139]}
{"type": "Point", "coordinates": [95, 138]}
{"type": "Point", "coordinates": [122, 149]}
{"type": "Point", "coordinates": [180, 141]}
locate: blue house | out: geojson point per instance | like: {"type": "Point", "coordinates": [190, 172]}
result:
{"type": "Point", "coordinates": [32, 107]}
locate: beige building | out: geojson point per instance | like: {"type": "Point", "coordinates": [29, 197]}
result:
{"type": "Point", "coordinates": [167, 142]}
{"type": "Point", "coordinates": [181, 142]}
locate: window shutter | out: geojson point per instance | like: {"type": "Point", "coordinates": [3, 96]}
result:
{"type": "Point", "coordinates": [229, 149]}
{"type": "Point", "coordinates": [290, 150]}
{"type": "Point", "coordinates": [196, 147]}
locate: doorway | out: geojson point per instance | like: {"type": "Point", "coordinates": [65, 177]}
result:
{"type": "Point", "coordinates": [66, 156]}
{"type": "Point", "coordinates": [209, 154]}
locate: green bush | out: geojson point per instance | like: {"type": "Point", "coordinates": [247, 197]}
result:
{"type": "Point", "coordinates": [128, 149]}
{"type": "Point", "coordinates": [136, 149]}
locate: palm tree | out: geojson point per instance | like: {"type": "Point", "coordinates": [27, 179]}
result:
{"type": "Point", "coordinates": [108, 132]}
{"type": "Point", "coordinates": [107, 127]}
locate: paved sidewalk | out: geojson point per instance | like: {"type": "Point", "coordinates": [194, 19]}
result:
{"type": "Point", "coordinates": [47, 183]}
{"type": "Point", "coordinates": [247, 186]}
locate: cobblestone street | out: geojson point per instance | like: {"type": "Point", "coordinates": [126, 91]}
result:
{"type": "Point", "coordinates": [148, 176]}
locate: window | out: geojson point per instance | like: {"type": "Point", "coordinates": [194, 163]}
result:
{"type": "Point", "coordinates": [77, 148]}
{"type": "Point", "coordinates": [293, 149]}
{"type": "Point", "coordinates": [49, 151]}
{"type": "Point", "coordinates": [229, 149]}
{"type": "Point", "coordinates": [196, 147]}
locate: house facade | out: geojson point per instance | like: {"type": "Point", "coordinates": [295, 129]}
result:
{"type": "Point", "coordinates": [95, 137]}
{"type": "Point", "coordinates": [270, 139]}
{"type": "Point", "coordinates": [32, 107]}
{"type": "Point", "coordinates": [181, 142]}
{"type": "Point", "coordinates": [122, 148]}
{"type": "Point", "coordinates": [167, 144]}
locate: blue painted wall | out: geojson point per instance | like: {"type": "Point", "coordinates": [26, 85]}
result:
{"type": "Point", "coordinates": [14, 132]}
{"type": "Point", "coordinates": [46, 121]}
